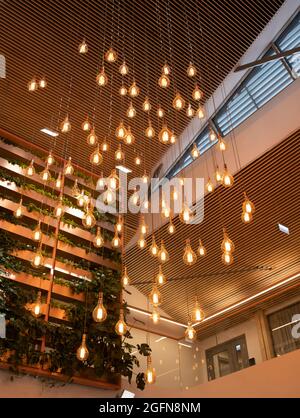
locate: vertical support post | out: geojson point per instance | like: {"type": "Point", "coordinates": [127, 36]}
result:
{"type": "Point", "coordinates": [264, 336]}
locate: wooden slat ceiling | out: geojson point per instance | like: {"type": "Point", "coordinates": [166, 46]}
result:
{"type": "Point", "coordinates": [41, 37]}
{"type": "Point", "coordinates": [272, 182]}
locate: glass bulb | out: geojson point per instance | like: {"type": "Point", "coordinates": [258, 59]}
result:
{"type": "Point", "coordinates": [129, 138]}
{"type": "Point", "coordinates": [171, 227]}
{"type": "Point", "coordinates": [119, 154]}
{"type": "Point", "coordinates": [18, 213]}
{"type": "Point", "coordinates": [209, 186]}
{"type": "Point", "coordinates": [59, 209]}
{"type": "Point", "coordinates": [135, 198]}
{"type": "Point", "coordinates": [109, 196]}
{"type": "Point", "coordinates": [166, 212]}
{"type": "Point", "coordinates": [191, 70]}
{"type": "Point", "coordinates": [123, 69]}
{"type": "Point", "coordinates": [163, 254]}
{"type": "Point", "coordinates": [155, 315]}
{"type": "Point", "coordinates": [146, 204]}
{"type": "Point", "coordinates": [200, 112]}
{"type": "Point", "coordinates": [218, 175]}
{"type": "Point", "coordinates": [50, 159]}
{"type": "Point", "coordinates": [98, 240]}
{"type": "Point", "coordinates": [82, 352]}
{"type": "Point", "coordinates": [92, 138]}
{"type": "Point", "coordinates": [142, 242]}
{"type": "Point", "coordinates": [137, 160]}
{"type": "Point", "coordinates": [101, 182]}
{"type": "Point", "coordinates": [133, 90]}
{"type": "Point", "coordinates": [146, 105]}
{"type": "Point", "coordinates": [150, 132]}
{"type": "Point", "coordinates": [164, 81]}
{"type": "Point", "coordinates": [69, 169]}
{"type": "Point", "coordinates": [248, 206]}
{"type": "Point", "coordinates": [197, 313]}
{"type": "Point", "coordinates": [131, 112]}
{"type": "Point", "coordinates": [32, 85]}
{"type": "Point", "coordinates": [99, 313]}
{"type": "Point", "coordinates": [227, 178]}
{"type": "Point", "coordinates": [119, 225]}
{"type": "Point", "coordinates": [86, 125]}
{"type": "Point", "coordinates": [227, 259]}
{"type": "Point", "coordinates": [45, 174]}
{"type": "Point", "coordinates": [116, 242]}
{"type": "Point", "coordinates": [143, 226]}
{"type": "Point", "coordinates": [88, 219]}
{"type": "Point", "coordinates": [30, 170]}
{"type": "Point", "coordinates": [37, 233]}
{"type": "Point", "coordinates": [83, 47]}
{"type": "Point", "coordinates": [145, 178]}
{"type": "Point", "coordinates": [101, 78]}
{"type": "Point", "coordinates": [38, 259]}
{"type": "Point", "coordinates": [121, 327]}
{"type": "Point", "coordinates": [227, 246]}
{"type": "Point", "coordinates": [58, 181]}
{"type": "Point", "coordinates": [189, 256]}
{"type": "Point", "coordinates": [150, 374]}
{"type": "Point", "coordinates": [201, 249]}
{"type": "Point", "coordinates": [195, 153]}
{"type": "Point", "coordinates": [246, 217]}
{"type": "Point", "coordinates": [186, 214]}
{"type": "Point", "coordinates": [96, 157]}
{"type": "Point", "coordinates": [154, 247]}
{"type": "Point", "coordinates": [104, 146]}
{"type": "Point", "coordinates": [125, 278]}
{"type": "Point", "coordinates": [222, 144]}
{"type": "Point", "coordinates": [190, 111]}
{"type": "Point", "coordinates": [43, 83]}
{"type": "Point", "coordinates": [197, 93]}
{"type": "Point", "coordinates": [173, 138]}
{"type": "Point", "coordinates": [175, 194]}
{"type": "Point", "coordinates": [65, 125]}
{"type": "Point", "coordinates": [190, 333]}
{"type": "Point", "coordinates": [164, 135]}
{"type": "Point", "coordinates": [178, 102]}
{"type": "Point", "coordinates": [166, 70]}
{"type": "Point", "coordinates": [81, 200]}
{"type": "Point", "coordinates": [37, 307]}
{"type": "Point", "coordinates": [155, 296]}
{"type": "Point", "coordinates": [160, 278]}
{"type": "Point", "coordinates": [160, 112]}
{"type": "Point", "coordinates": [111, 55]}
{"type": "Point", "coordinates": [75, 192]}
{"type": "Point", "coordinates": [123, 90]}
{"type": "Point", "coordinates": [212, 135]}
{"type": "Point", "coordinates": [121, 131]}
{"type": "Point", "coordinates": [113, 180]}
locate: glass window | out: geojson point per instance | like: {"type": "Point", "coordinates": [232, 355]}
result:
{"type": "Point", "coordinates": [290, 39]}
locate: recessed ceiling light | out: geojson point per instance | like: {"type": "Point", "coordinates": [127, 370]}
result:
{"type": "Point", "coordinates": [124, 169]}
{"type": "Point", "coordinates": [49, 132]}
{"type": "Point", "coordinates": [284, 229]}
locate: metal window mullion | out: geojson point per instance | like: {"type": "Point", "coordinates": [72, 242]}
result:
{"type": "Point", "coordinates": [284, 61]}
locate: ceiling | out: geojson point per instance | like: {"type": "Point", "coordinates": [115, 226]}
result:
{"type": "Point", "coordinates": [263, 254]}
{"type": "Point", "coordinates": [41, 38]}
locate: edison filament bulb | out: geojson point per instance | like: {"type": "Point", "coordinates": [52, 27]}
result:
{"type": "Point", "coordinates": [212, 135]}
{"type": "Point", "coordinates": [121, 131]}
{"type": "Point", "coordinates": [119, 154]}
{"type": "Point", "coordinates": [116, 241]}
{"type": "Point", "coordinates": [45, 174]}
{"type": "Point", "coordinates": [201, 249]}
{"type": "Point", "coordinates": [83, 47]}
{"type": "Point", "coordinates": [197, 313]}
{"type": "Point", "coordinates": [58, 181]}
{"type": "Point", "coordinates": [111, 55]}
{"type": "Point", "coordinates": [171, 227]}
{"type": "Point", "coordinates": [166, 70]}
{"type": "Point", "coordinates": [101, 78]}
{"type": "Point", "coordinates": [160, 278]}
{"type": "Point", "coordinates": [222, 144]}
{"type": "Point", "coordinates": [191, 70]}
{"type": "Point", "coordinates": [65, 125]}
{"type": "Point", "coordinates": [160, 112]}
{"type": "Point", "coordinates": [227, 178]}
{"type": "Point", "coordinates": [155, 316]}
{"type": "Point", "coordinates": [246, 217]}
{"type": "Point", "coordinates": [153, 247]}
{"type": "Point", "coordinates": [189, 256]}
{"type": "Point", "coordinates": [88, 219]}
{"type": "Point", "coordinates": [248, 206]}
{"type": "Point", "coordinates": [150, 132]}
{"type": "Point", "coordinates": [37, 307]}
{"type": "Point", "coordinates": [59, 209]}
{"type": "Point", "coordinates": [43, 83]}
{"type": "Point", "coordinates": [146, 105]}
{"type": "Point", "coordinates": [121, 327]}
{"type": "Point", "coordinates": [18, 213]}
{"type": "Point", "coordinates": [143, 227]}
{"type": "Point", "coordinates": [150, 372]}
{"type": "Point", "coordinates": [96, 157]}
{"type": "Point", "coordinates": [209, 186]}
{"type": "Point", "coordinates": [82, 352]}
{"type": "Point", "coordinates": [195, 153]}
{"type": "Point", "coordinates": [200, 112]}
{"type": "Point", "coordinates": [197, 93]}
{"type": "Point", "coordinates": [104, 146]}
{"type": "Point", "coordinates": [81, 200]}
{"type": "Point", "coordinates": [99, 313]}
{"type": "Point", "coordinates": [142, 242]}
{"type": "Point", "coordinates": [227, 259]}
{"type": "Point", "coordinates": [155, 296]}
{"type": "Point", "coordinates": [164, 81]}
{"type": "Point", "coordinates": [69, 169]}
{"type": "Point", "coordinates": [38, 259]}
{"type": "Point", "coordinates": [137, 160]}
{"type": "Point", "coordinates": [123, 90]}
{"type": "Point", "coordinates": [131, 112]}
{"type": "Point", "coordinates": [133, 90]}
{"type": "Point", "coordinates": [129, 138]}
{"type": "Point", "coordinates": [227, 246]}
{"type": "Point", "coordinates": [86, 125]}
{"type": "Point", "coordinates": [98, 240]}
{"type": "Point", "coordinates": [190, 111]}
{"type": "Point", "coordinates": [30, 170]}
{"type": "Point", "coordinates": [119, 225]}
{"type": "Point", "coordinates": [185, 214]}
{"type": "Point", "coordinates": [123, 69]}
{"type": "Point", "coordinates": [92, 138]}
{"type": "Point", "coordinates": [218, 175]}
{"type": "Point", "coordinates": [163, 254]}
{"type": "Point", "coordinates": [178, 102]}
{"type": "Point", "coordinates": [109, 196]}
{"type": "Point", "coordinates": [173, 138]}
{"type": "Point", "coordinates": [145, 178]}
{"type": "Point", "coordinates": [113, 180]}
{"type": "Point", "coordinates": [125, 278]}
{"type": "Point", "coordinates": [164, 135]}
{"type": "Point", "coordinates": [37, 233]}
{"type": "Point", "coordinates": [32, 85]}
{"type": "Point", "coordinates": [190, 332]}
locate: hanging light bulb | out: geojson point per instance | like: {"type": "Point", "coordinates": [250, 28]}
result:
{"type": "Point", "coordinates": [248, 206]}
{"type": "Point", "coordinates": [75, 192]}
{"type": "Point", "coordinates": [45, 174]}
{"type": "Point", "coordinates": [166, 70]}
{"type": "Point", "coordinates": [190, 111]}
{"type": "Point", "coordinates": [30, 170]}
{"type": "Point", "coordinates": [186, 214]}
{"type": "Point", "coordinates": [58, 181]}
{"type": "Point", "coordinates": [104, 146]}
{"type": "Point", "coordinates": [98, 240]}
{"type": "Point", "coordinates": [129, 138]}
{"type": "Point", "coordinates": [32, 85]}
{"type": "Point", "coordinates": [113, 180]}
{"type": "Point", "coordinates": [163, 201]}
{"type": "Point", "coordinates": [135, 198]}
{"type": "Point", "coordinates": [119, 154]}
{"type": "Point", "coordinates": [123, 90]}
{"type": "Point", "coordinates": [155, 315]}
{"type": "Point", "coordinates": [155, 296]}
{"type": "Point", "coordinates": [86, 125]}
{"type": "Point", "coordinates": [37, 307]}
{"type": "Point", "coordinates": [201, 249]}
{"type": "Point", "coordinates": [212, 135]}
{"type": "Point", "coordinates": [92, 138]}
{"type": "Point", "coordinates": [165, 134]}
{"type": "Point", "coordinates": [150, 132]}
{"type": "Point", "coordinates": [145, 178]}
{"type": "Point", "coordinates": [189, 256]}
{"type": "Point", "coordinates": [101, 182]}
{"type": "Point", "coordinates": [18, 213]}
{"type": "Point", "coordinates": [83, 47]}
{"type": "Point", "coordinates": [146, 204]}
{"type": "Point", "coordinates": [200, 112]}
{"type": "Point", "coordinates": [160, 112]}
{"type": "Point", "coordinates": [153, 247]}
{"type": "Point", "coordinates": [197, 93]}
{"type": "Point", "coordinates": [133, 90]}
{"type": "Point", "coordinates": [160, 278]}
{"type": "Point", "coordinates": [178, 102]}
{"type": "Point", "coordinates": [111, 55]}
{"type": "Point", "coordinates": [96, 157]}
{"type": "Point", "coordinates": [197, 313]}
{"type": "Point", "coordinates": [109, 196]}
{"type": "Point", "coordinates": [190, 332]}
{"type": "Point", "coordinates": [227, 259]}
{"type": "Point", "coordinates": [131, 112]}
{"type": "Point", "coordinates": [218, 175]}
{"type": "Point", "coordinates": [121, 131]}
{"type": "Point", "coordinates": [137, 160]}
{"type": "Point", "coordinates": [123, 69]}
{"type": "Point", "coordinates": [246, 217]}
{"type": "Point", "coordinates": [143, 226]}
{"type": "Point", "coordinates": [191, 70]}
{"type": "Point", "coordinates": [43, 83]}
{"type": "Point", "coordinates": [119, 225]}
{"type": "Point", "coordinates": [227, 246]}
{"type": "Point", "coordinates": [163, 254]}
{"type": "Point", "coordinates": [142, 242]}
{"type": "Point", "coordinates": [150, 373]}
{"type": "Point", "coordinates": [209, 186]}
{"type": "Point", "coordinates": [65, 125]}
{"type": "Point", "coordinates": [121, 327]}
{"type": "Point", "coordinates": [146, 105]}
{"type": "Point", "coordinates": [69, 169]}
{"type": "Point", "coordinates": [173, 138]}
{"type": "Point", "coordinates": [102, 78]}
{"type": "Point", "coordinates": [166, 212]}
{"type": "Point", "coordinates": [171, 227]}
{"type": "Point", "coordinates": [81, 200]}
{"type": "Point", "coordinates": [116, 242]}
{"type": "Point", "coordinates": [195, 153]}
{"type": "Point", "coordinates": [59, 208]}
{"type": "Point", "coordinates": [222, 144]}
{"type": "Point", "coordinates": [227, 178]}
{"type": "Point", "coordinates": [38, 259]}
{"type": "Point", "coordinates": [164, 81]}
{"type": "Point", "coordinates": [125, 278]}
{"type": "Point", "coordinates": [181, 181]}
{"type": "Point", "coordinates": [82, 352]}
{"type": "Point", "coordinates": [37, 233]}
{"type": "Point", "coordinates": [99, 313]}
{"type": "Point", "coordinates": [175, 194]}
{"type": "Point", "coordinates": [88, 220]}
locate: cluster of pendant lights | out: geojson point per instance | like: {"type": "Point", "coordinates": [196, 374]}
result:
{"type": "Point", "coordinates": [35, 84]}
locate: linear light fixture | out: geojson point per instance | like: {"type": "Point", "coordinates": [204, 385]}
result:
{"type": "Point", "coordinates": [124, 169]}
{"type": "Point", "coordinates": [185, 345]}
{"type": "Point", "coordinates": [160, 339]}
{"type": "Point", "coordinates": [285, 325]}
{"type": "Point", "coordinates": [49, 132]}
